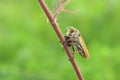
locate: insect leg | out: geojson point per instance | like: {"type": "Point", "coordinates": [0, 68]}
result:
{"type": "Point", "coordinates": [73, 48]}
{"type": "Point", "coordinates": [69, 41]}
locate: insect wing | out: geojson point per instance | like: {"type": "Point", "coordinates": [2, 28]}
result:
{"type": "Point", "coordinates": [84, 51]}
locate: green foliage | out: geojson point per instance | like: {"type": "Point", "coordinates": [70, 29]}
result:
{"type": "Point", "coordinates": [30, 49]}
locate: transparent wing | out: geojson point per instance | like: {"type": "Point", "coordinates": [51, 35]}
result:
{"type": "Point", "coordinates": [84, 48]}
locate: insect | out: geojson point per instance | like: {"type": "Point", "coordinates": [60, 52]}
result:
{"type": "Point", "coordinates": [74, 39]}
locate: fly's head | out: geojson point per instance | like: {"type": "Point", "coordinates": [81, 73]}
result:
{"type": "Point", "coordinates": [73, 32]}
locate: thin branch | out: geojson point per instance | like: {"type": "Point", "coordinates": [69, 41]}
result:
{"type": "Point", "coordinates": [60, 7]}
{"type": "Point", "coordinates": [61, 38]}
{"type": "Point", "coordinates": [69, 11]}
{"type": "Point", "coordinates": [60, 3]}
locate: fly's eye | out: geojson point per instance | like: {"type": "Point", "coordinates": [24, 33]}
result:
{"type": "Point", "coordinates": [72, 31]}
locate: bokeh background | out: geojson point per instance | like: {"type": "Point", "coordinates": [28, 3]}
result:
{"type": "Point", "coordinates": [30, 49]}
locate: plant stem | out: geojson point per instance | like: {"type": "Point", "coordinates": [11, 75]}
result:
{"type": "Point", "coordinates": [60, 7]}
{"type": "Point", "coordinates": [61, 38]}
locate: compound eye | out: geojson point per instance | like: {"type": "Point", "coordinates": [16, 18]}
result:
{"type": "Point", "coordinates": [72, 31]}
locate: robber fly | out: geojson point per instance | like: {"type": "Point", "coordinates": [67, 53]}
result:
{"type": "Point", "coordinates": [74, 39]}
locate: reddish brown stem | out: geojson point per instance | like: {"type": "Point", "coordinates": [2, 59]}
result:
{"type": "Point", "coordinates": [61, 38]}
{"type": "Point", "coordinates": [59, 8]}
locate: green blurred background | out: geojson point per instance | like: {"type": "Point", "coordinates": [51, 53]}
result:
{"type": "Point", "coordinates": [30, 49]}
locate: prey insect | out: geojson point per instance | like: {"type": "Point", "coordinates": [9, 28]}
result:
{"type": "Point", "coordinates": [74, 39]}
